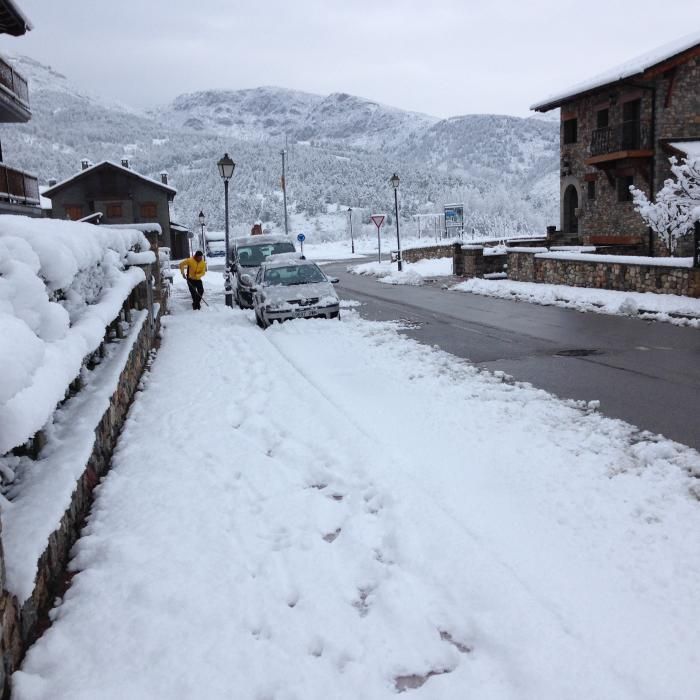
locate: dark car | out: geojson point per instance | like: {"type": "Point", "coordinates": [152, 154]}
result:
{"type": "Point", "coordinates": [246, 257]}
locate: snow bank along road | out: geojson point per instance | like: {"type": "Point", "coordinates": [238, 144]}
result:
{"type": "Point", "coordinates": [332, 511]}
{"type": "Point", "coordinates": [646, 373]}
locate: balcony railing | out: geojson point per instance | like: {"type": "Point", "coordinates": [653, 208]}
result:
{"type": "Point", "coordinates": [18, 187]}
{"type": "Point", "coordinates": [628, 136]}
{"type": "Point", "coordinates": [14, 83]}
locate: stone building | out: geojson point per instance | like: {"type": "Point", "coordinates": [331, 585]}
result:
{"type": "Point", "coordinates": [19, 190]}
{"type": "Point", "coordinates": [620, 129]}
{"type": "Point", "coordinates": [121, 195]}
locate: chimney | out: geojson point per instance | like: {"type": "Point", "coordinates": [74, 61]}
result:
{"type": "Point", "coordinates": [164, 177]}
{"type": "Point", "coordinates": [52, 181]}
{"type": "Point", "coordinates": [84, 164]}
{"type": "Point", "coordinates": [125, 163]}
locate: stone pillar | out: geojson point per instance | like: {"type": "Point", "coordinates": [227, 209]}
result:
{"type": "Point", "coordinates": [473, 260]}
{"type": "Point", "coordinates": [457, 260]}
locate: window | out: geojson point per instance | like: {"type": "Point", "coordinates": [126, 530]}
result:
{"type": "Point", "coordinates": [624, 182]}
{"type": "Point", "coordinates": [74, 212]}
{"type": "Point", "coordinates": [602, 118]}
{"type": "Point", "coordinates": [114, 211]}
{"type": "Point", "coordinates": [571, 130]}
{"type": "Point", "coordinates": [254, 255]}
{"type": "Point", "coordinates": [591, 189]}
{"type": "Point", "coordinates": [148, 210]}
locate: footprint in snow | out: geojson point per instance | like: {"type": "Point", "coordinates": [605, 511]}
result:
{"type": "Point", "coordinates": [332, 536]}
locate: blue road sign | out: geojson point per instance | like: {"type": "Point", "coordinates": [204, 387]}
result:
{"type": "Point", "coordinates": [301, 238]}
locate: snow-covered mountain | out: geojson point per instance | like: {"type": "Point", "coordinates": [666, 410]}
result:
{"type": "Point", "coordinates": [342, 150]}
{"type": "Point", "coordinates": [278, 113]}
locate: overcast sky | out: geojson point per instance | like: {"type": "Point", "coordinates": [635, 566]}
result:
{"type": "Point", "coordinates": [443, 57]}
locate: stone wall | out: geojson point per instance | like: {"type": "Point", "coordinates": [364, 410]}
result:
{"type": "Point", "coordinates": [470, 261]}
{"type": "Point", "coordinates": [21, 626]}
{"type": "Point", "coordinates": [618, 276]}
{"type": "Point", "coordinates": [431, 252]}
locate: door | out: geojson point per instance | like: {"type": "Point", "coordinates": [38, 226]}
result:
{"type": "Point", "coordinates": [570, 223]}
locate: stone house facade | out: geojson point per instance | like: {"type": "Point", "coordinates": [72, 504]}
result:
{"type": "Point", "coordinates": [620, 129]}
{"type": "Point", "coordinates": [119, 193]}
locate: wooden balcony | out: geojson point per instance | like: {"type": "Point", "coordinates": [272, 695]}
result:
{"type": "Point", "coordinates": [14, 95]}
{"type": "Point", "coordinates": [18, 187]}
{"type": "Point", "coordinates": [630, 139]}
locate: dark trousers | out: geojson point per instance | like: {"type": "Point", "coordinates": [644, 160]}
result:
{"type": "Point", "coordinates": [197, 292]}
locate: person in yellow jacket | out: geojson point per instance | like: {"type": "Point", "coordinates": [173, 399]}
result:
{"type": "Point", "coordinates": [196, 269]}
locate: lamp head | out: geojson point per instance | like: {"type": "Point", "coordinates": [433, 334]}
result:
{"type": "Point", "coordinates": [226, 167]}
{"type": "Point", "coordinates": [394, 180]}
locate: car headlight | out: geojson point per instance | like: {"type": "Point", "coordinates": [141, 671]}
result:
{"type": "Point", "coordinates": [276, 306]}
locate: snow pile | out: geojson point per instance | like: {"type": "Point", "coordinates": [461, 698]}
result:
{"type": "Point", "coordinates": [61, 284]}
{"type": "Point", "coordinates": [412, 273]}
{"type": "Point", "coordinates": [616, 259]}
{"type": "Point", "coordinates": [416, 523]}
{"type": "Point", "coordinates": [679, 310]}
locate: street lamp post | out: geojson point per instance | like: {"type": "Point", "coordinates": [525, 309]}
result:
{"type": "Point", "coordinates": [394, 180]}
{"type": "Point", "coordinates": [202, 242]}
{"type": "Point", "coordinates": [284, 193]}
{"type": "Point", "coordinates": [352, 240]}
{"type": "Point", "coordinates": [226, 167]}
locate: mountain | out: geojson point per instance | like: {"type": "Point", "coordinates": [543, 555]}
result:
{"type": "Point", "coordinates": [341, 151]}
{"type": "Point", "coordinates": [284, 115]}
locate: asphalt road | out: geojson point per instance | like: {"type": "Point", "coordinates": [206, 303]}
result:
{"type": "Point", "coordinates": [647, 373]}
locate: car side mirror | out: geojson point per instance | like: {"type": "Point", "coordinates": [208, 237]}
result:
{"type": "Point", "coordinates": [333, 280]}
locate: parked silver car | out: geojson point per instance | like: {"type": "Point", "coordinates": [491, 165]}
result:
{"type": "Point", "coordinates": [286, 289]}
{"type": "Point", "coordinates": [248, 254]}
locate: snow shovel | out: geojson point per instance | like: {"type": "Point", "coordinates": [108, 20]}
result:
{"type": "Point", "coordinates": [201, 298]}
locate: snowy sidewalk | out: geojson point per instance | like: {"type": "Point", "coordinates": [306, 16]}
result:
{"type": "Point", "coordinates": [331, 511]}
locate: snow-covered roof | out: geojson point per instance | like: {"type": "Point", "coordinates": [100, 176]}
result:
{"type": "Point", "coordinates": [690, 148]}
{"type": "Point", "coordinates": [60, 185]}
{"type": "Point", "coordinates": [635, 66]}
{"type": "Point", "coordinates": [14, 21]}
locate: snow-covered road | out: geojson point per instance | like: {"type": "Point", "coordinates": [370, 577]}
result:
{"type": "Point", "coordinates": [331, 511]}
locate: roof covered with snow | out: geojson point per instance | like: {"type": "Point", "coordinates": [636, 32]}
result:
{"type": "Point", "coordinates": [102, 164]}
{"type": "Point", "coordinates": [690, 148]}
{"type": "Point", "coordinates": [633, 67]}
{"type": "Point", "coordinates": [12, 20]}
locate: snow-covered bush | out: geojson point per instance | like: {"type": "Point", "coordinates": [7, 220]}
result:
{"type": "Point", "coordinates": [61, 284]}
{"type": "Point", "coordinates": [677, 205]}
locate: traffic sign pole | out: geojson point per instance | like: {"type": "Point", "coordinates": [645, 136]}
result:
{"type": "Point", "coordinates": [301, 238]}
{"type": "Point", "coordinates": [378, 220]}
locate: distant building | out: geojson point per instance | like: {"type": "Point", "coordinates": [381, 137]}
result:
{"type": "Point", "coordinates": [19, 190]}
{"type": "Point", "coordinates": [122, 196]}
{"type": "Point", "coordinates": [619, 129]}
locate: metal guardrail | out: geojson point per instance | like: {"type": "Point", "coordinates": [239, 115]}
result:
{"type": "Point", "coordinates": [18, 186]}
{"type": "Point", "coordinates": [628, 136]}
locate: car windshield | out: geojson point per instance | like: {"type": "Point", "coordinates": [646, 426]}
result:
{"type": "Point", "coordinates": [294, 274]}
{"type": "Point", "coordinates": [254, 255]}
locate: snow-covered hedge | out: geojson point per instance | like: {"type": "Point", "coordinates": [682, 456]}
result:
{"type": "Point", "coordinates": [61, 284]}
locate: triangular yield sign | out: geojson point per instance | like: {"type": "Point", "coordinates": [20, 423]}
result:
{"type": "Point", "coordinates": [378, 219]}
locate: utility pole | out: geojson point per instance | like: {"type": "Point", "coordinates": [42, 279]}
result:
{"type": "Point", "coordinates": [284, 194]}
{"type": "Point", "coordinates": [352, 240]}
